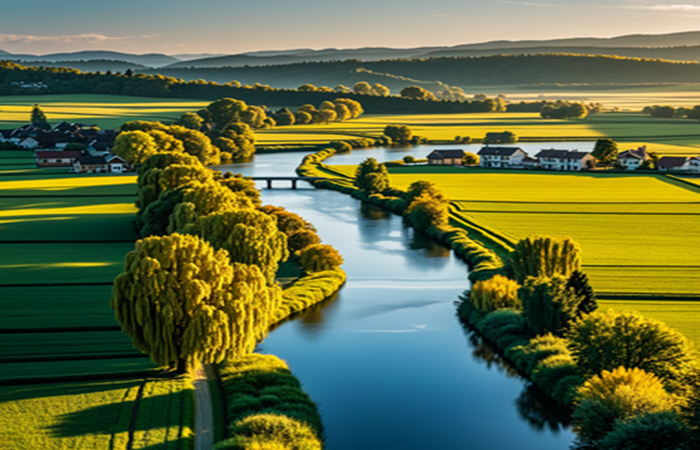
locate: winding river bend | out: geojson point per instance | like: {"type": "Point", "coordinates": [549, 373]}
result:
{"type": "Point", "coordinates": [386, 359]}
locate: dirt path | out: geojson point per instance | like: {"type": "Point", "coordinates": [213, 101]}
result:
{"type": "Point", "coordinates": [204, 419]}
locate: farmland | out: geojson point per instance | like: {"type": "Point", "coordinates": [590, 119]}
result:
{"type": "Point", "coordinates": [638, 232]}
{"type": "Point", "coordinates": [105, 111]}
{"type": "Point", "coordinates": [664, 136]}
{"type": "Point", "coordinates": [63, 239]}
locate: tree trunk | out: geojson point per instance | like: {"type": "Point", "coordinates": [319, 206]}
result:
{"type": "Point", "coordinates": [181, 366]}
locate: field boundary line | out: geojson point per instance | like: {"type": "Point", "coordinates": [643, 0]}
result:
{"type": "Point", "coordinates": [134, 416]}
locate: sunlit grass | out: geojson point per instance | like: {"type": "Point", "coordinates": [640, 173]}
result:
{"type": "Point", "coordinates": [69, 182]}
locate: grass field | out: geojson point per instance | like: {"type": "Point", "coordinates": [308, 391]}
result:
{"type": "Point", "coordinates": [664, 136]}
{"type": "Point", "coordinates": [639, 233]}
{"type": "Point", "coordinates": [97, 415]}
{"type": "Point", "coordinates": [105, 111]}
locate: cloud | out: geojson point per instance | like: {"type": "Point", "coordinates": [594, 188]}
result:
{"type": "Point", "coordinates": [62, 39]}
{"type": "Point", "coordinates": [684, 8]}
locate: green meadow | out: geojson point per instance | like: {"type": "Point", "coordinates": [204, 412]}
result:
{"type": "Point", "coordinates": [105, 111]}
{"type": "Point", "coordinates": [639, 232]}
{"type": "Point", "coordinates": [63, 239]}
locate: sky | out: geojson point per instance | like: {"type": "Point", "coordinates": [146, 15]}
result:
{"type": "Point", "coordinates": [233, 26]}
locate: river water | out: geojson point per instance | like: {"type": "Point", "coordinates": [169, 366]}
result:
{"type": "Point", "coordinates": [387, 359]}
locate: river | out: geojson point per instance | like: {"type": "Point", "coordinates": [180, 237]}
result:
{"type": "Point", "coordinates": [387, 359]}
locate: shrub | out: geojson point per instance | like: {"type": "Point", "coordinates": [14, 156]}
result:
{"type": "Point", "coordinates": [544, 256]}
{"type": "Point", "coordinates": [658, 431]}
{"type": "Point", "coordinates": [408, 159]}
{"type": "Point", "coordinates": [371, 176]}
{"type": "Point", "coordinates": [502, 322]}
{"type": "Point", "coordinates": [618, 395]}
{"type": "Point", "coordinates": [548, 304]}
{"type": "Point", "coordinates": [318, 257]}
{"type": "Point", "coordinates": [302, 239]}
{"type": "Point", "coordinates": [271, 432]}
{"type": "Point", "coordinates": [605, 341]}
{"type": "Point", "coordinates": [526, 357]}
{"type": "Point", "coordinates": [552, 369]}
{"type": "Point", "coordinates": [425, 212]}
{"type": "Point", "coordinates": [495, 293]}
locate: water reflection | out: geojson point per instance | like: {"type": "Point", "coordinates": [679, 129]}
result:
{"type": "Point", "coordinates": [534, 406]}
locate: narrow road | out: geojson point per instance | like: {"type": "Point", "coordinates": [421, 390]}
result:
{"type": "Point", "coordinates": [204, 419]}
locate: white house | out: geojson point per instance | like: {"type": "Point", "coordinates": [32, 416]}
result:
{"type": "Point", "coordinates": [117, 164]}
{"type": "Point", "coordinates": [570, 160]}
{"type": "Point", "coordinates": [632, 159]}
{"type": "Point", "coordinates": [673, 163]}
{"type": "Point", "coordinates": [694, 164]}
{"type": "Point", "coordinates": [501, 156]}
{"type": "Point", "coordinates": [91, 164]}
{"type": "Point", "coordinates": [55, 158]}
{"type": "Point", "coordinates": [29, 143]}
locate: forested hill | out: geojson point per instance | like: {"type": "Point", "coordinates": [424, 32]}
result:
{"type": "Point", "coordinates": [463, 72]}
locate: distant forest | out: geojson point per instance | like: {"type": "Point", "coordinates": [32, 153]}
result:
{"type": "Point", "coordinates": [463, 72]}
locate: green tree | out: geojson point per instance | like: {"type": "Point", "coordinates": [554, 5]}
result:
{"type": "Point", "coordinates": [470, 159]}
{"type": "Point", "coordinates": [190, 120]}
{"type": "Point", "coordinates": [319, 257]}
{"type": "Point", "coordinates": [38, 118]}
{"type": "Point", "coordinates": [578, 282]}
{"type": "Point", "coordinates": [302, 117]}
{"type": "Point", "coordinates": [418, 93]}
{"type": "Point", "coordinates": [616, 396]}
{"type": "Point", "coordinates": [380, 90]}
{"type": "Point", "coordinates": [426, 211]}
{"type": "Point", "coordinates": [165, 142]}
{"type": "Point", "coordinates": [302, 239]}
{"type": "Point", "coordinates": [544, 256]}
{"type": "Point", "coordinates": [362, 88]}
{"type": "Point", "coordinates": [239, 184]}
{"type": "Point", "coordinates": [287, 222]}
{"type": "Point", "coordinates": [353, 106]}
{"type": "Point", "coordinates": [660, 431]}
{"type": "Point", "coordinates": [285, 117]}
{"type": "Point", "coordinates": [342, 112]}
{"type": "Point", "coordinates": [371, 176]}
{"type": "Point", "coordinates": [420, 187]}
{"type": "Point", "coordinates": [605, 151]}
{"type": "Point", "coordinates": [134, 146]}
{"type": "Point", "coordinates": [327, 115]}
{"type": "Point", "coordinates": [398, 133]}
{"type": "Point", "coordinates": [226, 110]}
{"type": "Point", "coordinates": [605, 341]}
{"type": "Point", "coordinates": [196, 144]}
{"type": "Point", "coordinates": [142, 125]}
{"type": "Point", "coordinates": [549, 306]}
{"type": "Point", "coordinates": [249, 236]}
{"type": "Point", "coordinates": [495, 293]}
{"type": "Point", "coordinates": [183, 303]}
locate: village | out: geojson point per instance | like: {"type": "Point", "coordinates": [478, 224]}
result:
{"type": "Point", "coordinates": [496, 157]}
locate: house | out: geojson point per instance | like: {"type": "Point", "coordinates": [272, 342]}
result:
{"type": "Point", "coordinates": [29, 143]}
{"type": "Point", "coordinates": [632, 159]}
{"type": "Point", "coordinates": [673, 163]}
{"type": "Point", "coordinates": [571, 160]}
{"type": "Point", "coordinates": [501, 156]}
{"type": "Point", "coordinates": [446, 157]}
{"type": "Point", "coordinates": [91, 164]}
{"type": "Point", "coordinates": [53, 158]}
{"type": "Point", "coordinates": [117, 164]}
{"type": "Point", "coordinates": [530, 163]}
{"type": "Point", "coordinates": [694, 164]}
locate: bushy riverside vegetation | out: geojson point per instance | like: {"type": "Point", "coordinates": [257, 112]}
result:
{"type": "Point", "coordinates": [627, 378]}
{"type": "Point", "coordinates": [266, 407]}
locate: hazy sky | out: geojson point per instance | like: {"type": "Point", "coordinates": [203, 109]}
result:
{"type": "Point", "coordinates": [233, 26]}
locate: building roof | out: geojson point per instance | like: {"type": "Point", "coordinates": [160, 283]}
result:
{"type": "Point", "coordinates": [445, 154]}
{"type": "Point", "coordinates": [498, 151]}
{"type": "Point", "coordinates": [640, 153]}
{"type": "Point", "coordinates": [89, 159]}
{"type": "Point", "coordinates": [562, 154]}
{"type": "Point", "coordinates": [54, 154]}
{"type": "Point", "coordinates": [115, 159]}
{"type": "Point", "coordinates": [530, 159]}
{"type": "Point", "coordinates": [671, 161]}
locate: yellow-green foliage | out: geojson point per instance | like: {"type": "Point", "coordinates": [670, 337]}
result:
{"type": "Point", "coordinates": [308, 291]}
{"type": "Point", "coordinates": [180, 301]}
{"type": "Point", "coordinates": [249, 236]}
{"type": "Point", "coordinates": [544, 256]}
{"type": "Point", "coordinates": [620, 394]}
{"type": "Point", "coordinates": [495, 293]}
{"type": "Point", "coordinates": [320, 257]}
{"type": "Point", "coordinates": [266, 407]}
{"type": "Point", "coordinates": [606, 341]}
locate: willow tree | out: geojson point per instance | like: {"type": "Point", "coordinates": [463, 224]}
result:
{"type": "Point", "coordinates": [250, 237]}
{"type": "Point", "coordinates": [544, 256]}
{"type": "Point", "coordinates": [184, 303]}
